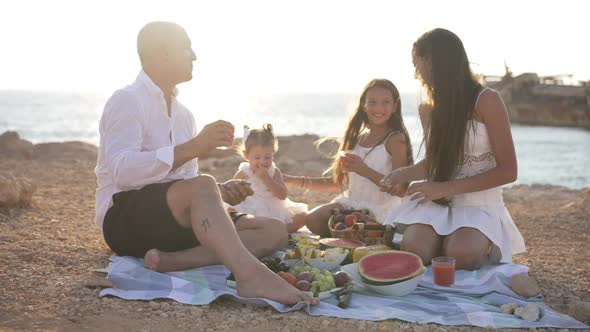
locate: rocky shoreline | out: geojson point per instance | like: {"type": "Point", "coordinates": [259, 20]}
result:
{"type": "Point", "coordinates": [49, 248]}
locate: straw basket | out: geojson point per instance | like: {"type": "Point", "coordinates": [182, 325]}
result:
{"type": "Point", "coordinates": [366, 230]}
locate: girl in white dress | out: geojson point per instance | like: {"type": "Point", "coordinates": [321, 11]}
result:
{"type": "Point", "coordinates": [375, 143]}
{"type": "Point", "coordinates": [457, 210]}
{"type": "Point", "coordinates": [270, 193]}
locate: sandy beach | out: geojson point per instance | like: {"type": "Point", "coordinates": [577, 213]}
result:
{"type": "Point", "coordinates": [49, 250]}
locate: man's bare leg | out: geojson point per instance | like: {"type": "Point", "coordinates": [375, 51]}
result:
{"type": "Point", "coordinates": [196, 203]}
{"type": "Point", "coordinates": [261, 236]}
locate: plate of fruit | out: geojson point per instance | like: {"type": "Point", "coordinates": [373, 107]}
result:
{"type": "Point", "coordinates": [275, 264]}
{"type": "Point", "coordinates": [319, 283]}
{"type": "Point", "coordinates": [316, 282]}
{"type": "Point", "coordinates": [328, 259]}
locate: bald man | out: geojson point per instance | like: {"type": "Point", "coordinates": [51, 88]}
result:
{"type": "Point", "coordinates": [151, 201]}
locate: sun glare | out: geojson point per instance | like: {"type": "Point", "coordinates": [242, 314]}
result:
{"type": "Point", "coordinates": [266, 47]}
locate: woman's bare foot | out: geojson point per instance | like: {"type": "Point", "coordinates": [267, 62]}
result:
{"type": "Point", "coordinates": [263, 283]}
{"type": "Point", "coordinates": [151, 260]}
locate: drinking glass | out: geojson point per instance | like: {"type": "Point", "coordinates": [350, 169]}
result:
{"type": "Point", "coordinates": [443, 270]}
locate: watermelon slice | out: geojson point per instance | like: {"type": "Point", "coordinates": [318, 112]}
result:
{"type": "Point", "coordinates": [369, 250]}
{"type": "Point", "coordinates": [332, 242]}
{"type": "Point", "coordinates": [389, 267]}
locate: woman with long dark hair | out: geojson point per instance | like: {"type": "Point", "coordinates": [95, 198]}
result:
{"type": "Point", "coordinates": [457, 209]}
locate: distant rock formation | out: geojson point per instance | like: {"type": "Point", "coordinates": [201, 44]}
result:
{"type": "Point", "coordinates": [65, 150]}
{"type": "Point", "coordinates": [531, 99]}
{"type": "Point", "coordinates": [297, 154]}
{"type": "Point", "coordinates": [12, 146]}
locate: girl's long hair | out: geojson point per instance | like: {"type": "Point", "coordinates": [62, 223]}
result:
{"type": "Point", "coordinates": [359, 121]}
{"type": "Point", "coordinates": [453, 90]}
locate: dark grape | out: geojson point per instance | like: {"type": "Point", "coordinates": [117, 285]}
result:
{"type": "Point", "coordinates": [274, 264]}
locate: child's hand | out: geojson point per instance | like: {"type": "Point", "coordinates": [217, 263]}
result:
{"type": "Point", "coordinates": [428, 191]}
{"type": "Point", "coordinates": [261, 172]}
{"type": "Point", "coordinates": [353, 163]}
{"type": "Point", "coordinates": [391, 183]}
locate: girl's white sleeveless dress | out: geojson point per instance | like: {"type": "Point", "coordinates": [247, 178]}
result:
{"type": "Point", "coordinates": [263, 203]}
{"type": "Point", "coordinates": [483, 210]}
{"type": "Point", "coordinates": [364, 194]}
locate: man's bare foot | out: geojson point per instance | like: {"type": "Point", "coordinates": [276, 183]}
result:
{"type": "Point", "coordinates": [263, 283]}
{"type": "Point", "coordinates": [151, 260]}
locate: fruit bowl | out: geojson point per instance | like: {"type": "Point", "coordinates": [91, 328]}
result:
{"type": "Point", "coordinates": [398, 289]}
{"type": "Point", "coordinates": [321, 295]}
{"type": "Point", "coordinates": [327, 263]}
{"type": "Point", "coordinates": [327, 259]}
{"type": "Point", "coordinates": [360, 225]}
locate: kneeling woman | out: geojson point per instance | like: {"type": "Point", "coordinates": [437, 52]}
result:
{"type": "Point", "coordinates": [458, 209]}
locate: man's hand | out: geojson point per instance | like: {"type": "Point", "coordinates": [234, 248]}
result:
{"type": "Point", "coordinates": [233, 192]}
{"type": "Point", "coordinates": [216, 134]}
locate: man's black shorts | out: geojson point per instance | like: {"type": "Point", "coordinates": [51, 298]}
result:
{"type": "Point", "coordinates": [140, 220]}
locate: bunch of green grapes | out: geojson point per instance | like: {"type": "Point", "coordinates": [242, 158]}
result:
{"type": "Point", "coordinates": [301, 268]}
{"type": "Point", "coordinates": [322, 280]}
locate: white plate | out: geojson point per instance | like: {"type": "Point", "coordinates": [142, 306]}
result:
{"type": "Point", "coordinates": [302, 233]}
{"type": "Point", "coordinates": [321, 295]}
{"type": "Point", "coordinates": [230, 283]}
{"type": "Point", "coordinates": [398, 289]}
{"type": "Point", "coordinates": [332, 263]}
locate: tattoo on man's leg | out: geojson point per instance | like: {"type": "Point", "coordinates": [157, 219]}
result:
{"type": "Point", "coordinates": [205, 224]}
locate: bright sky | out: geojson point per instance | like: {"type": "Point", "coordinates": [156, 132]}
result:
{"type": "Point", "coordinates": [260, 47]}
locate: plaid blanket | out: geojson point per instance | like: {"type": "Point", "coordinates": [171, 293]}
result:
{"type": "Point", "coordinates": [474, 300]}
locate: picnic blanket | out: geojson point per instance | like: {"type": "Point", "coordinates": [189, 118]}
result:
{"type": "Point", "coordinates": [475, 299]}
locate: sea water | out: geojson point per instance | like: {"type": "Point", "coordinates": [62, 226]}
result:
{"type": "Point", "coordinates": [546, 155]}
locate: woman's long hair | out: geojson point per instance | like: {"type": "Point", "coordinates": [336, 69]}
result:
{"type": "Point", "coordinates": [453, 90]}
{"type": "Point", "coordinates": [359, 121]}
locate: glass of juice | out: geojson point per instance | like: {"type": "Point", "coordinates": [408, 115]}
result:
{"type": "Point", "coordinates": [443, 270]}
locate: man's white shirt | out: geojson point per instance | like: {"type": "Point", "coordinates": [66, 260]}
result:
{"type": "Point", "coordinates": [137, 139]}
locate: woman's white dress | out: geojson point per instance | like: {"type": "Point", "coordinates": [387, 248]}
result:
{"type": "Point", "coordinates": [263, 203]}
{"type": "Point", "coordinates": [364, 194]}
{"type": "Point", "coordinates": [483, 210]}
